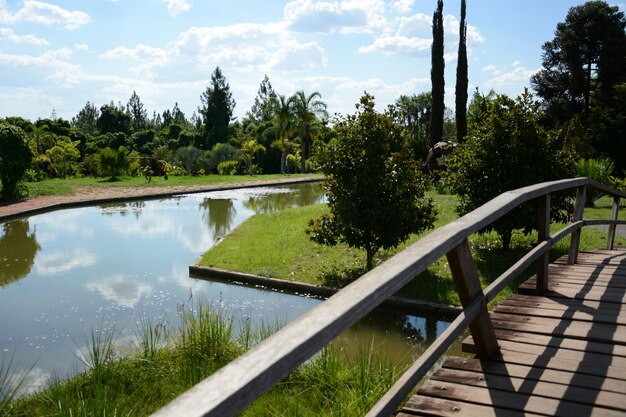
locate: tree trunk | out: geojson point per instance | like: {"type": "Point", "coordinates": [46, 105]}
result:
{"type": "Point", "coordinates": [506, 239]}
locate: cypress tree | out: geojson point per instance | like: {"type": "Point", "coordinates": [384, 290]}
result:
{"type": "Point", "coordinates": [436, 77]}
{"type": "Point", "coordinates": [461, 80]}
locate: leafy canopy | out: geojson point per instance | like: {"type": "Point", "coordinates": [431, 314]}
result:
{"type": "Point", "coordinates": [506, 148]}
{"type": "Point", "coordinates": [374, 188]}
{"type": "Point", "coordinates": [15, 158]}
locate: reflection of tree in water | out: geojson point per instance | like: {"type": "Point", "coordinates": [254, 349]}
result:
{"type": "Point", "coordinates": [302, 195]}
{"type": "Point", "coordinates": [419, 330]}
{"type": "Point", "coordinates": [218, 215]}
{"type": "Point", "coordinates": [18, 248]}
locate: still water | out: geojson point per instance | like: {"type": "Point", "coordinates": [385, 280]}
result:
{"type": "Point", "coordinates": [67, 272]}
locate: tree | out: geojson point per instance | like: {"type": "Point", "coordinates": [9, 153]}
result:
{"type": "Point", "coordinates": [414, 114]}
{"type": "Point", "coordinates": [217, 110]}
{"type": "Point", "coordinates": [374, 189]}
{"type": "Point", "coordinates": [507, 149]}
{"type": "Point", "coordinates": [461, 80]}
{"type": "Point", "coordinates": [113, 120]}
{"type": "Point", "coordinates": [138, 114]}
{"type": "Point", "coordinates": [283, 119]}
{"type": "Point", "coordinates": [18, 242]}
{"type": "Point", "coordinates": [15, 158]}
{"type": "Point", "coordinates": [584, 62]}
{"type": "Point", "coordinates": [191, 158]}
{"type": "Point", "coordinates": [87, 119]}
{"type": "Point", "coordinates": [248, 151]}
{"type": "Point", "coordinates": [263, 107]}
{"type": "Point", "coordinates": [437, 78]}
{"type": "Point", "coordinates": [63, 156]}
{"type": "Point", "coordinates": [112, 163]}
{"type": "Point", "coordinates": [307, 109]}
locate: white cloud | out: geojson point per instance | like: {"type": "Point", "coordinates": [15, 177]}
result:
{"type": "Point", "coordinates": [348, 16]}
{"type": "Point", "coordinates": [44, 13]}
{"type": "Point", "coordinates": [8, 34]}
{"type": "Point", "coordinates": [61, 262]}
{"type": "Point", "coordinates": [55, 62]}
{"type": "Point", "coordinates": [249, 47]}
{"type": "Point", "coordinates": [519, 74]}
{"type": "Point", "coordinates": [516, 64]}
{"type": "Point", "coordinates": [176, 7]}
{"type": "Point", "coordinates": [148, 56]}
{"type": "Point", "coordinates": [414, 36]}
{"type": "Point", "coordinates": [403, 6]}
{"type": "Point", "coordinates": [121, 290]}
{"type": "Point", "coordinates": [81, 47]}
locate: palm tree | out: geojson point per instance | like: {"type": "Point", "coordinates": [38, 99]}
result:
{"type": "Point", "coordinates": [283, 119]}
{"type": "Point", "coordinates": [307, 109]}
{"type": "Point", "coordinates": [248, 150]}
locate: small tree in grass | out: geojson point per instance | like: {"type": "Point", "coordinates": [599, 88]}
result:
{"type": "Point", "coordinates": [506, 148]}
{"type": "Point", "coordinates": [112, 163]}
{"type": "Point", "coordinates": [374, 187]}
{"type": "Point", "coordinates": [15, 159]}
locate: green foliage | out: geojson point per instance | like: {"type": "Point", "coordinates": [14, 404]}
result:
{"type": "Point", "coordinates": [307, 108]}
{"type": "Point", "coordinates": [584, 62]}
{"type": "Point", "coordinates": [63, 158]}
{"type": "Point", "coordinates": [461, 79]}
{"type": "Point", "coordinates": [374, 189]}
{"type": "Point", "coordinates": [15, 158]}
{"type": "Point", "coordinates": [596, 169]}
{"type": "Point", "coordinates": [414, 114]}
{"type": "Point", "coordinates": [248, 151]}
{"type": "Point", "coordinates": [507, 149]}
{"type": "Point", "coordinates": [227, 167]}
{"type": "Point", "coordinates": [113, 120]}
{"type": "Point", "coordinates": [190, 158]}
{"type": "Point", "coordinates": [222, 152]}
{"type": "Point", "coordinates": [112, 163]}
{"type": "Point", "coordinates": [619, 183]}
{"type": "Point", "coordinates": [217, 110]}
{"type": "Point", "coordinates": [437, 77]}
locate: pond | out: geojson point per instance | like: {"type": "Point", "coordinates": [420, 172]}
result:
{"type": "Point", "coordinates": [66, 272]}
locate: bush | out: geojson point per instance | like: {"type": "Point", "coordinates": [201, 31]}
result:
{"type": "Point", "coordinates": [227, 167]}
{"type": "Point", "coordinates": [597, 169]}
{"type": "Point", "coordinates": [222, 152]}
{"type": "Point", "coordinates": [15, 159]}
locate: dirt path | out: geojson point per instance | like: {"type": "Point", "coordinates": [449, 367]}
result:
{"type": "Point", "coordinates": [92, 195]}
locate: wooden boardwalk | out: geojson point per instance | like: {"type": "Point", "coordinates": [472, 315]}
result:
{"type": "Point", "coordinates": [563, 354]}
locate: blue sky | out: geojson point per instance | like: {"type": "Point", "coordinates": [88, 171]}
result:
{"type": "Point", "coordinates": [60, 54]}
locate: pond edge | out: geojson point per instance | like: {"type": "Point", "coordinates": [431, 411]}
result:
{"type": "Point", "coordinates": [318, 291]}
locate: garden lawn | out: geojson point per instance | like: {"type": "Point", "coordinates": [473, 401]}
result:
{"type": "Point", "coordinates": [71, 185]}
{"type": "Point", "coordinates": [275, 245]}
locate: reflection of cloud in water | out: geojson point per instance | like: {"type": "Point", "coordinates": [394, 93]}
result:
{"type": "Point", "coordinates": [61, 262]}
{"type": "Point", "coordinates": [34, 380]}
{"type": "Point", "coordinates": [244, 193]}
{"type": "Point", "coordinates": [64, 220]}
{"type": "Point", "coordinates": [121, 290]}
{"type": "Point", "coordinates": [150, 224]}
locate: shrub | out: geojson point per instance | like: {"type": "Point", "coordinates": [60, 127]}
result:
{"type": "Point", "coordinates": [15, 159]}
{"type": "Point", "coordinates": [227, 167]}
{"type": "Point", "coordinates": [597, 169]}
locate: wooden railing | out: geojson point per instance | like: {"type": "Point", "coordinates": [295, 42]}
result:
{"type": "Point", "coordinates": [236, 385]}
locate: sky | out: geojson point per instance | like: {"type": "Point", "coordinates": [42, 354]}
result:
{"type": "Point", "coordinates": [55, 56]}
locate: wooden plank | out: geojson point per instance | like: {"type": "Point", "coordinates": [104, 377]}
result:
{"type": "Point", "coordinates": [588, 396]}
{"type": "Point", "coordinates": [569, 314]}
{"type": "Point", "coordinates": [575, 355]}
{"type": "Point", "coordinates": [579, 208]}
{"type": "Point", "coordinates": [601, 294]}
{"type": "Point", "coordinates": [557, 285]}
{"type": "Point", "coordinates": [531, 339]}
{"type": "Point", "coordinates": [583, 331]}
{"type": "Point", "coordinates": [419, 405]}
{"type": "Point", "coordinates": [513, 401]}
{"type": "Point", "coordinates": [611, 233]}
{"type": "Point", "coordinates": [568, 365]}
{"type": "Point", "coordinates": [531, 373]}
{"type": "Point", "coordinates": [543, 234]}
{"type": "Point", "coordinates": [547, 302]}
{"type": "Point", "coordinates": [593, 266]}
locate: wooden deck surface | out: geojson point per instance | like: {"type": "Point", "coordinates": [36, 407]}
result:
{"type": "Point", "coordinates": [560, 355]}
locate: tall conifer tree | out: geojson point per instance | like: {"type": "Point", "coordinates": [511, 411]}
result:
{"type": "Point", "coordinates": [461, 80]}
{"type": "Point", "coordinates": [436, 77]}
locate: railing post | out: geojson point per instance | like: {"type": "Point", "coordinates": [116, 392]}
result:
{"type": "Point", "coordinates": [543, 230]}
{"type": "Point", "coordinates": [579, 209]}
{"type": "Point", "coordinates": [468, 286]}
{"type": "Point", "coordinates": [614, 212]}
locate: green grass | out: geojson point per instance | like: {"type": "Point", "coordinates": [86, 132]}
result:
{"type": "Point", "coordinates": [70, 185]}
{"type": "Point", "coordinates": [295, 257]}
{"type": "Point", "coordinates": [137, 382]}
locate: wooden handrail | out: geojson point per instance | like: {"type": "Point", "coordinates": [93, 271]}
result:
{"type": "Point", "coordinates": [239, 383]}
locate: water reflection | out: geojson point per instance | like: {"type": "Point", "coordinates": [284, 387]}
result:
{"type": "Point", "coordinates": [312, 194]}
{"type": "Point", "coordinates": [18, 248]}
{"type": "Point", "coordinates": [218, 214]}
{"type": "Point", "coordinates": [123, 291]}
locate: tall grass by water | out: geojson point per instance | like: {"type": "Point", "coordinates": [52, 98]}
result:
{"type": "Point", "coordinates": [161, 364]}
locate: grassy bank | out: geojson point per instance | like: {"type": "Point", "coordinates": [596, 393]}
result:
{"type": "Point", "coordinates": [295, 257]}
{"type": "Point", "coordinates": [71, 185]}
{"type": "Point", "coordinates": [160, 365]}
